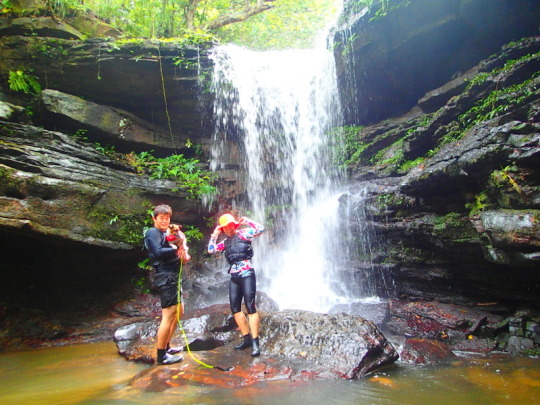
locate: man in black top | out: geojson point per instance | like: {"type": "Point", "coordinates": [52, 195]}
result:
{"type": "Point", "coordinates": [166, 260]}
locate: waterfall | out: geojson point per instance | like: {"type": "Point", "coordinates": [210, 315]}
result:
{"type": "Point", "coordinates": [277, 108]}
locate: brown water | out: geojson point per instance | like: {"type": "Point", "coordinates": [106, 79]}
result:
{"type": "Point", "coordinates": [95, 374]}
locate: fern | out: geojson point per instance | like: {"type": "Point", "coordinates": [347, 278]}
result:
{"type": "Point", "coordinates": [20, 81]}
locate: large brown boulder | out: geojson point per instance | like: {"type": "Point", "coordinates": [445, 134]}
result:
{"type": "Point", "coordinates": [294, 345]}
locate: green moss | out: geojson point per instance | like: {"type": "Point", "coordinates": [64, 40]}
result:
{"type": "Point", "coordinates": [346, 147]}
{"type": "Point", "coordinates": [7, 180]}
{"type": "Point", "coordinates": [120, 217]}
{"type": "Point", "coordinates": [391, 157]}
{"type": "Point", "coordinates": [455, 227]}
{"type": "Point", "coordinates": [451, 219]}
{"type": "Point", "coordinates": [392, 201]}
{"type": "Point", "coordinates": [127, 228]}
{"type": "Point", "coordinates": [409, 164]}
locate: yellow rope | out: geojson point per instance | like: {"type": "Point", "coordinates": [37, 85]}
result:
{"type": "Point", "coordinates": [178, 306]}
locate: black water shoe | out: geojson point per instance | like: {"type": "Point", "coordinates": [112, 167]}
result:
{"type": "Point", "coordinates": [255, 346]}
{"type": "Point", "coordinates": [245, 343]}
{"type": "Point", "coordinates": [164, 358]}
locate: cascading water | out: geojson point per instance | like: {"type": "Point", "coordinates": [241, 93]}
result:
{"type": "Point", "coordinates": [279, 107]}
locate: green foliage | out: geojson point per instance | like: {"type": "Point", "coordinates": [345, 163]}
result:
{"type": "Point", "coordinates": [106, 150]}
{"type": "Point", "coordinates": [144, 264]}
{"type": "Point", "coordinates": [452, 219]}
{"type": "Point", "coordinates": [118, 226]}
{"type": "Point", "coordinates": [504, 176]}
{"type": "Point", "coordinates": [192, 233]}
{"type": "Point", "coordinates": [185, 171]}
{"type": "Point", "coordinates": [391, 156]}
{"type": "Point", "coordinates": [6, 7]}
{"type": "Point", "coordinates": [479, 203]}
{"type": "Point", "coordinates": [348, 46]}
{"type": "Point", "coordinates": [290, 24]}
{"type": "Point", "coordinates": [535, 353]}
{"type": "Point", "coordinates": [63, 8]}
{"type": "Point", "coordinates": [499, 101]}
{"type": "Point", "coordinates": [141, 283]}
{"type": "Point", "coordinates": [409, 164]}
{"type": "Point", "coordinates": [392, 201]}
{"type": "Point", "coordinates": [20, 81]}
{"type": "Point", "coordinates": [346, 148]}
{"type": "Point", "coordinates": [80, 134]}
{"type": "Point", "coordinates": [496, 103]}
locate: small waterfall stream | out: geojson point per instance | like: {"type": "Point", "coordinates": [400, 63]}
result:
{"type": "Point", "coordinates": [279, 107]}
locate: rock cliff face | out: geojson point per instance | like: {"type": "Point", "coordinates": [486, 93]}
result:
{"type": "Point", "coordinates": [448, 191]}
{"type": "Point", "coordinates": [72, 206]}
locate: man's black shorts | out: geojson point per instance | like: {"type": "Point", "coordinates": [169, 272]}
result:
{"type": "Point", "coordinates": [166, 283]}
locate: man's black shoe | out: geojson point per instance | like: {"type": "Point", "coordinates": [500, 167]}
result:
{"type": "Point", "coordinates": [164, 358]}
{"type": "Point", "coordinates": [245, 343]}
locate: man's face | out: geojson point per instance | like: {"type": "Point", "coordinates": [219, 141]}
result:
{"type": "Point", "coordinates": [162, 221]}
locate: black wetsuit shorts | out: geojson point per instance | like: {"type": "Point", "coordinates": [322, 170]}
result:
{"type": "Point", "coordinates": [243, 288]}
{"type": "Point", "coordinates": [166, 282]}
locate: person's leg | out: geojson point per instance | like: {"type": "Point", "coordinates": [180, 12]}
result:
{"type": "Point", "coordinates": [242, 323]}
{"type": "Point", "coordinates": [235, 300]}
{"type": "Point", "coordinates": [254, 324]}
{"type": "Point", "coordinates": [249, 289]}
{"type": "Point", "coordinates": [167, 286]}
{"type": "Point", "coordinates": [177, 315]}
{"type": "Point", "coordinates": [168, 318]}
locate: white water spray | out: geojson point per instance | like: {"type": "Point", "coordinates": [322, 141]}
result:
{"type": "Point", "coordinates": [279, 107]}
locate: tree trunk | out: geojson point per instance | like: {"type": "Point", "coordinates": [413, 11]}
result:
{"type": "Point", "coordinates": [247, 12]}
{"type": "Point", "coordinates": [191, 8]}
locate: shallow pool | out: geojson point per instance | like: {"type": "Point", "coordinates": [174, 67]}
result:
{"type": "Point", "coordinates": [95, 374]}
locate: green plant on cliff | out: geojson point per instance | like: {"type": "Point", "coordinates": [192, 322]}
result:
{"type": "Point", "coordinates": [480, 202]}
{"type": "Point", "coordinates": [497, 103]}
{"type": "Point", "coordinates": [391, 156]}
{"type": "Point", "coordinates": [192, 233]}
{"type": "Point", "coordinates": [187, 172]}
{"type": "Point", "coordinates": [500, 100]}
{"type": "Point", "coordinates": [482, 77]}
{"type": "Point", "coordinates": [505, 175]}
{"type": "Point", "coordinates": [6, 7]}
{"type": "Point", "coordinates": [410, 164]}
{"type": "Point", "coordinates": [18, 80]}
{"type": "Point", "coordinates": [120, 227]}
{"type": "Point", "coordinates": [345, 145]}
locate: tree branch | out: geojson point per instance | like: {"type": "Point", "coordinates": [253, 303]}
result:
{"type": "Point", "coordinates": [247, 12]}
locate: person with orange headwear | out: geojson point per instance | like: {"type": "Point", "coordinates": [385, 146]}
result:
{"type": "Point", "coordinates": [243, 285]}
